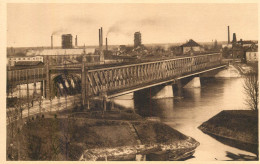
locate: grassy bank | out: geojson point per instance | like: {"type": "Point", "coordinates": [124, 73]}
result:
{"type": "Point", "coordinates": [98, 136]}
{"type": "Point", "coordinates": [238, 128]}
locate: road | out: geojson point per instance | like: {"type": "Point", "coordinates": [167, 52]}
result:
{"type": "Point", "coordinates": [47, 106]}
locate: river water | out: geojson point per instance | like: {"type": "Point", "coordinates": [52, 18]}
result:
{"type": "Point", "coordinates": [197, 106]}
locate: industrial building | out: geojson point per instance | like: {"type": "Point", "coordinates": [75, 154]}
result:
{"type": "Point", "coordinates": [241, 50]}
{"type": "Point", "coordinates": [137, 39]}
{"type": "Point", "coordinates": [69, 53]}
{"type": "Point", "coordinates": [66, 41]}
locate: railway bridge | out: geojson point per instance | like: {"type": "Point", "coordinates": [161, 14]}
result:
{"type": "Point", "coordinates": [115, 80]}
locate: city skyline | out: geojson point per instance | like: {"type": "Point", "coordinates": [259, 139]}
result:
{"type": "Point", "coordinates": [31, 25]}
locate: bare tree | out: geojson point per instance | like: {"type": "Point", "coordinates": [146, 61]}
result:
{"type": "Point", "coordinates": [251, 89]}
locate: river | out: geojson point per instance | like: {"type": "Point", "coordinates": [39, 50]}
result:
{"type": "Point", "coordinates": [197, 106]}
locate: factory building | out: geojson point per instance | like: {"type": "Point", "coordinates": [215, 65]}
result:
{"type": "Point", "coordinates": [69, 53]}
{"type": "Point", "coordinates": [240, 50]}
{"type": "Point", "coordinates": [66, 41]}
{"type": "Point", "coordinates": [137, 39]}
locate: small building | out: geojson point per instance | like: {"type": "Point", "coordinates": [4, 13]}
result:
{"type": "Point", "coordinates": [11, 61]}
{"type": "Point", "coordinates": [190, 47]}
{"type": "Point", "coordinates": [251, 56]}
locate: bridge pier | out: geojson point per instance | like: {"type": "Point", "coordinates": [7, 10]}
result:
{"type": "Point", "coordinates": [126, 101]}
{"type": "Point", "coordinates": [165, 92]}
{"type": "Point", "coordinates": [179, 88]}
{"type": "Point", "coordinates": [194, 83]}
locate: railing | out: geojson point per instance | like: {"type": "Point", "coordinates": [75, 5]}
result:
{"type": "Point", "coordinates": [133, 75]}
{"type": "Point", "coordinates": [25, 75]}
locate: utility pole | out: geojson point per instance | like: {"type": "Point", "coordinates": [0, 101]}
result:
{"type": "Point", "coordinates": [83, 80]}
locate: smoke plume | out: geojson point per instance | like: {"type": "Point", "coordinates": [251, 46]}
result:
{"type": "Point", "coordinates": [128, 26]}
{"type": "Point", "coordinates": [59, 31]}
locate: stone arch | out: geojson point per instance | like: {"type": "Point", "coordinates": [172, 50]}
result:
{"type": "Point", "coordinates": [64, 84]}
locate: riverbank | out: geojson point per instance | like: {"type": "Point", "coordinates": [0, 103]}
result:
{"type": "Point", "coordinates": [111, 135]}
{"type": "Point", "coordinates": [237, 128]}
{"type": "Point", "coordinates": [236, 70]}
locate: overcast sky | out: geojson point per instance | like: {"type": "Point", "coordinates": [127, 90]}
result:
{"type": "Point", "coordinates": [33, 24]}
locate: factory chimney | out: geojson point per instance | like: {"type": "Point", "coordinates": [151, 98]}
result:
{"type": "Point", "coordinates": [101, 44]}
{"type": "Point", "coordinates": [234, 38]}
{"type": "Point", "coordinates": [106, 44]}
{"type": "Point", "coordinates": [101, 37]}
{"type": "Point", "coordinates": [51, 41]}
{"type": "Point", "coordinates": [76, 41]}
{"type": "Point", "coordinates": [228, 36]}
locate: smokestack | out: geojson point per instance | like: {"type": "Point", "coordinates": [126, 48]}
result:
{"type": "Point", "coordinates": [234, 38]}
{"type": "Point", "coordinates": [76, 41]}
{"type": "Point", "coordinates": [51, 41]}
{"type": "Point", "coordinates": [228, 35]}
{"type": "Point", "coordinates": [106, 44]}
{"type": "Point", "coordinates": [101, 36]}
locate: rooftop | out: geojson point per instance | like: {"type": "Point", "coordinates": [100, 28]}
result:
{"type": "Point", "coordinates": [61, 51]}
{"type": "Point", "coordinates": [190, 43]}
{"type": "Point", "coordinates": [28, 63]}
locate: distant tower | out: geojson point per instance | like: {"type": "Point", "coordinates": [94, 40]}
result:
{"type": "Point", "coordinates": [216, 44]}
{"type": "Point", "coordinates": [51, 41]}
{"type": "Point", "coordinates": [228, 35]}
{"type": "Point", "coordinates": [66, 41]}
{"type": "Point", "coordinates": [234, 38]}
{"type": "Point", "coordinates": [76, 41]}
{"type": "Point", "coordinates": [137, 39]}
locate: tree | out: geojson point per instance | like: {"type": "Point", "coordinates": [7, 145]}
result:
{"type": "Point", "coordinates": [251, 89]}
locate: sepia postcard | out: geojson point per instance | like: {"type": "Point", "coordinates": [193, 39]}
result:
{"type": "Point", "coordinates": [130, 81]}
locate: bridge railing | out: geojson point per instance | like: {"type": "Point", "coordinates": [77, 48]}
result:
{"type": "Point", "coordinates": [127, 76]}
{"type": "Point", "coordinates": [25, 75]}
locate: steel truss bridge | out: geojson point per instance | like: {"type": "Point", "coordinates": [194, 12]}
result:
{"type": "Point", "coordinates": [118, 80]}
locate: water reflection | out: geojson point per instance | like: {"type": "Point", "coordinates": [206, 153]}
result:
{"type": "Point", "coordinates": [197, 106]}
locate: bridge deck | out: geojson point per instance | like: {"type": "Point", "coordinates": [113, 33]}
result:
{"type": "Point", "coordinates": [117, 93]}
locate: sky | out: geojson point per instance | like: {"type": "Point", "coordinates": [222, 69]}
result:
{"type": "Point", "coordinates": [31, 25]}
